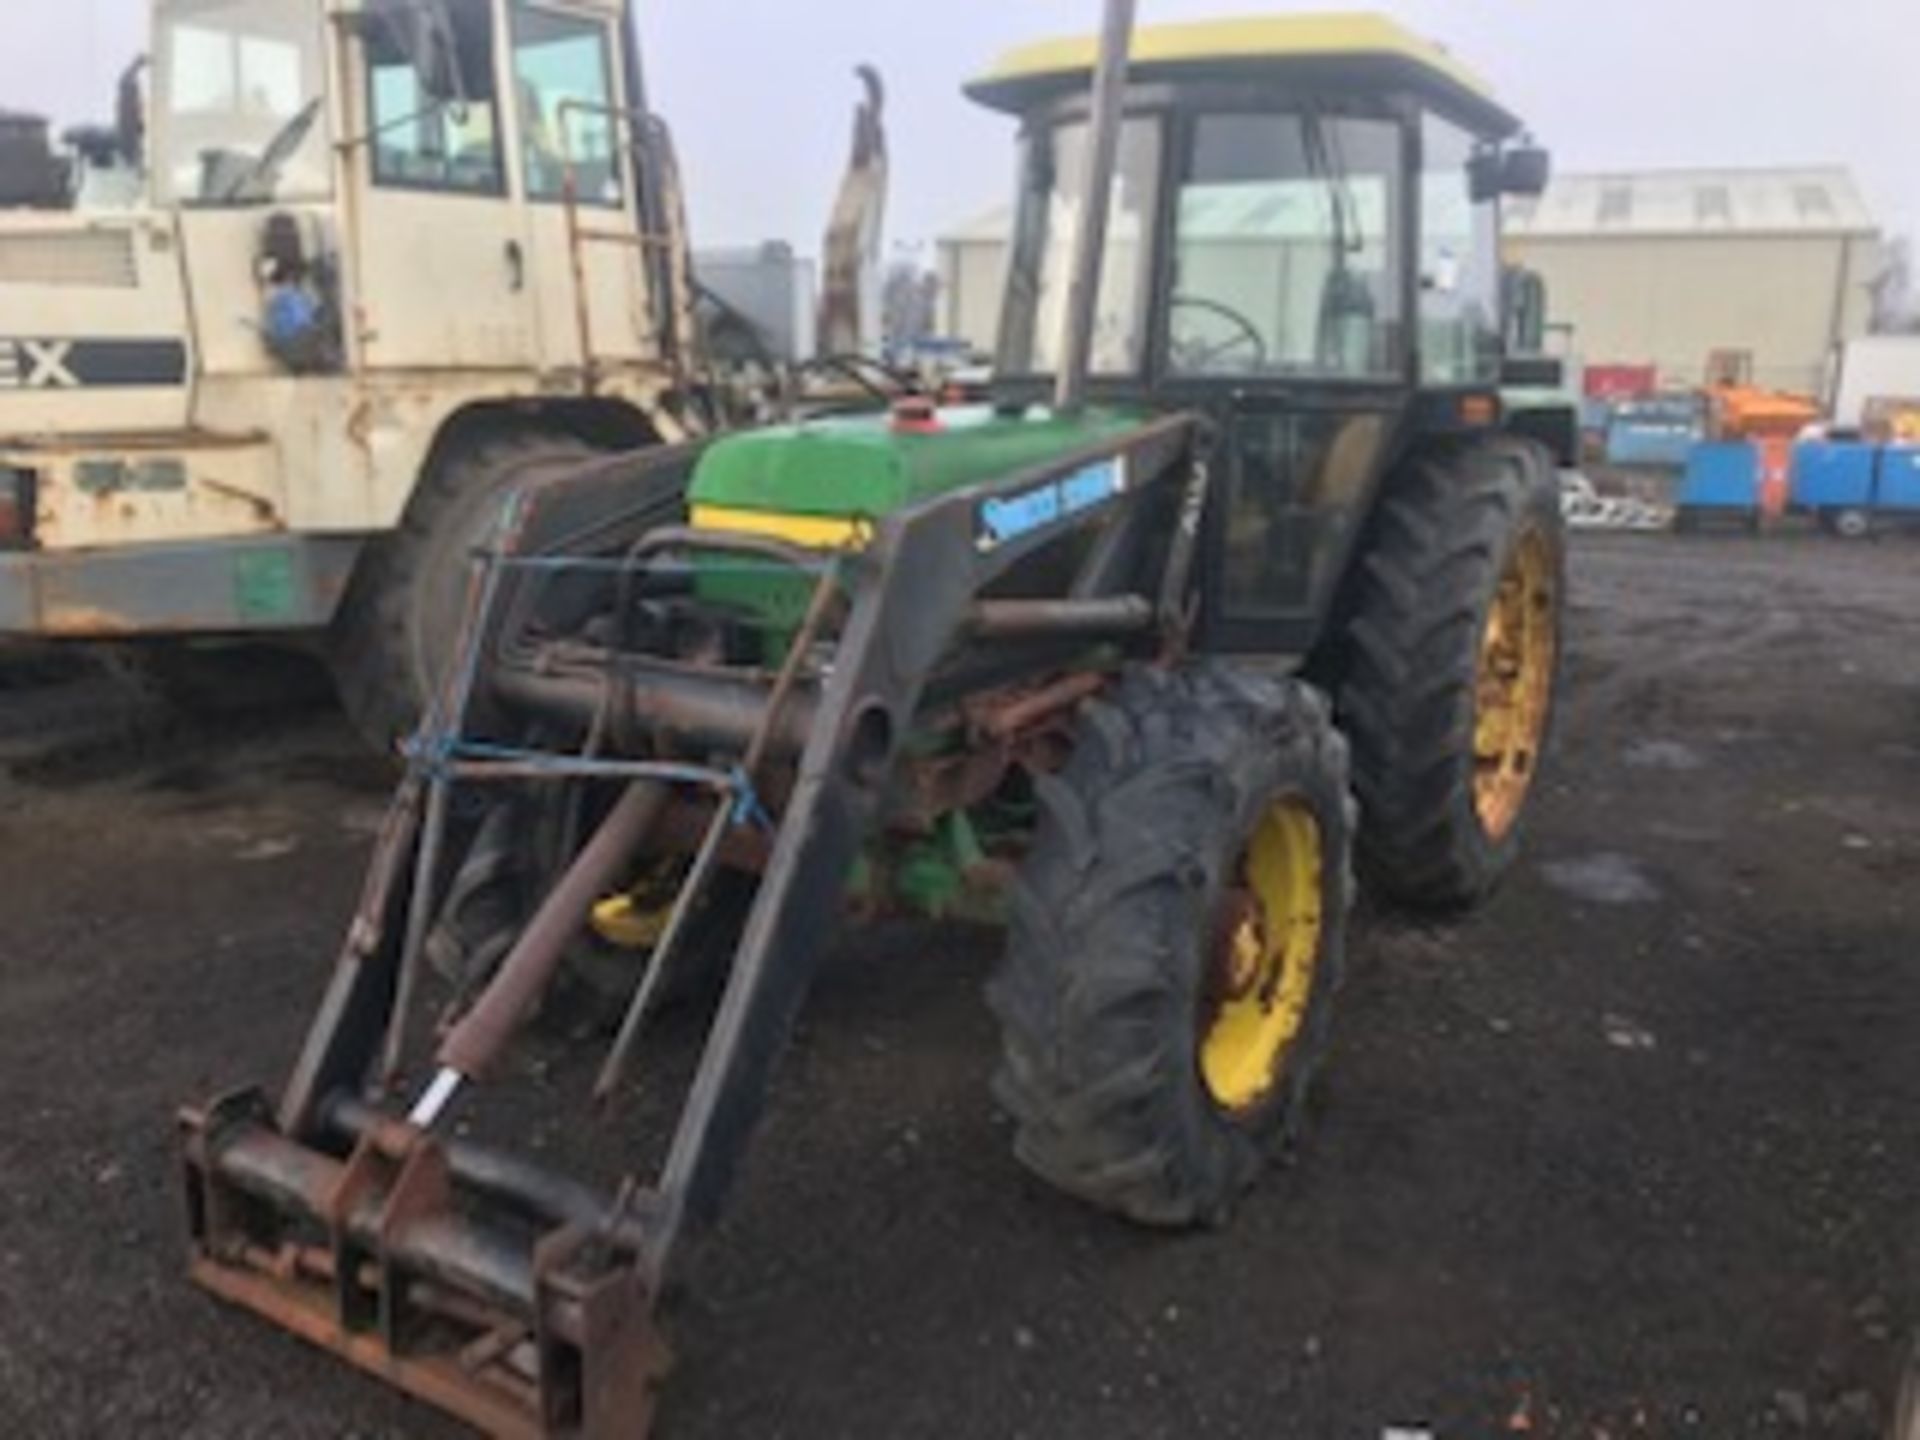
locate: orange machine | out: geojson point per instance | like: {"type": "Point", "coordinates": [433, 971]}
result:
{"type": "Point", "coordinates": [1771, 419]}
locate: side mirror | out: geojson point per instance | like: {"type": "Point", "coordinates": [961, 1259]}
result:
{"type": "Point", "coordinates": [1486, 176]}
{"type": "Point", "coordinates": [1526, 170]}
{"type": "Point", "coordinates": [130, 115]}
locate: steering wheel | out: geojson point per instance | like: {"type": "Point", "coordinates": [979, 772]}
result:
{"type": "Point", "coordinates": [1198, 357]}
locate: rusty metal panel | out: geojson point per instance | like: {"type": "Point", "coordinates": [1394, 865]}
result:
{"type": "Point", "coordinates": [156, 491]}
{"type": "Point", "coordinates": [274, 584]}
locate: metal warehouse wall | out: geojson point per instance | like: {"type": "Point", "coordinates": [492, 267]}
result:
{"type": "Point", "coordinates": [1671, 301]}
{"type": "Point", "coordinates": [972, 275]}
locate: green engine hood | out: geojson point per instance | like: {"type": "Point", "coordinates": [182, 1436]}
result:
{"type": "Point", "coordinates": [865, 467]}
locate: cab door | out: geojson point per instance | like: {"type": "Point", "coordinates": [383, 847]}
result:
{"type": "Point", "coordinates": [441, 269]}
{"type": "Point", "coordinates": [589, 265]}
{"type": "Point", "coordinates": [1286, 313]}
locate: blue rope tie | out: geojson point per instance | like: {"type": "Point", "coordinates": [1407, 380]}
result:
{"type": "Point", "coordinates": [430, 752]}
{"type": "Point", "coordinates": [435, 752]}
{"type": "Point", "coordinates": [747, 809]}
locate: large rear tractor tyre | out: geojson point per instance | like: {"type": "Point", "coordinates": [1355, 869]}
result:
{"type": "Point", "coordinates": [1177, 935]}
{"type": "Point", "coordinates": [1448, 669]}
{"type": "Point", "coordinates": [400, 621]}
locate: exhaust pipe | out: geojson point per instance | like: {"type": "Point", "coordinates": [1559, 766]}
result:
{"type": "Point", "coordinates": [1103, 153]}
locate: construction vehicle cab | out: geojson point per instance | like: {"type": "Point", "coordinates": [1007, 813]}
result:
{"type": "Point", "coordinates": [1110, 671]}
{"type": "Point", "coordinates": [1304, 242]}
{"type": "Point", "coordinates": [388, 250]}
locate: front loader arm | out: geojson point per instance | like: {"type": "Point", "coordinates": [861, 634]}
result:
{"type": "Point", "coordinates": [911, 595]}
{"type": "Point", "coordinates": [482, 1283]}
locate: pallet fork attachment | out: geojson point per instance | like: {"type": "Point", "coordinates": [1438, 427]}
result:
{"type": "Point", "coordinates": [522, 1302]}
{"type": "Point", "coordinates": [556, 1338]}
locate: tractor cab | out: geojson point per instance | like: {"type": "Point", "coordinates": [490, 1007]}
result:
{"type": "Point", "coordinates": [1303, 241]}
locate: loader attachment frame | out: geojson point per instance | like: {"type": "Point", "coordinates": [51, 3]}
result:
{"type": "Point", "coordinates": [519, 1301]}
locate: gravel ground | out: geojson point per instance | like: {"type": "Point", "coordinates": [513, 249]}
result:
{"type": "Point", "coordinates": [1630, 1153]}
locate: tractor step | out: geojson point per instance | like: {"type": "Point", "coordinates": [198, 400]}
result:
{"type": "Point", "coordinates": [431, 1268]}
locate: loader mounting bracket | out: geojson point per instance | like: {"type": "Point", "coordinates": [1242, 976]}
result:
{"type": "Point", "coordinates": [345, 1253]}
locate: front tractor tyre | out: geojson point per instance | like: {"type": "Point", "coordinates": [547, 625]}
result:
{"type": "Point", "coordinates": [1176, 937]}
{"type": "Point", "coordinates": [400, 622]}
{"type": "Point", "coordinates": [1448, 668]}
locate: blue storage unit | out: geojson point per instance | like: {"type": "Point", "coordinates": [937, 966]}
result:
{"type": "Point", "coordinates": [1831, 475]}
{"type": "Point", "coordinates": [1722, 476]}
{"type": "Point", "coordinates": [1899, 479]}
{"type": "Point", "coordinates": [1660, 432]}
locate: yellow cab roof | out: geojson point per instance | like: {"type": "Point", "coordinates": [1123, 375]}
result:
{"type": "Point", "coordinates": [1361, 48]}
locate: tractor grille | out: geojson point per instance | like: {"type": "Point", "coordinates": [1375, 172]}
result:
{"type": "Point", "coordinates": [90, 259]}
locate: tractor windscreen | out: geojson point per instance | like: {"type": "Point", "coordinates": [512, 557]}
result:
{"type": "Point", "coordinates": [242, 116]}
{"type": "Point", "coordinates": [1287, 237]}
{"type": "Point", "coordinates": [1053, 184]}
{"type": "Point", "coordinates": [1286, 249]}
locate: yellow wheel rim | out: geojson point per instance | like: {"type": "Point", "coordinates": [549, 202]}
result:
{"type": "Point", "coordinates": [1515, 684]}
{"type": "Point", "coordinates": [1266, 959]}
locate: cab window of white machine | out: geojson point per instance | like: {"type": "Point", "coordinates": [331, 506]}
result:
{"type": "Point", "coordinates": [1051, 205]}
{"type": "Point", "coordinates": [1459, 265]}
{"type": "Point", "coordinates": [1285, 252]}
{"type": "Point", "coordinates": [423, 143]}
{"type": "Point", "coordinates": [242, 114]}
{"type": "Point", "coordinates": [563, 71]}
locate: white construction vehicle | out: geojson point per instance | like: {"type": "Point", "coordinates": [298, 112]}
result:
{"type": "Point", "coordinates": [392, 254]}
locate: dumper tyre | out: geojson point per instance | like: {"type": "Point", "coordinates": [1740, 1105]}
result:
{"type": "Point", "coordinates": [1448, 668]}
{"type": "Point", "coordinates": [1191, 867]}
{"type": "Point", "coordinates": [400, 621]}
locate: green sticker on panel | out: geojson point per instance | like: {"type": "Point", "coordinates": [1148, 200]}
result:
{"type": "Point", "coordinates": [100, 477]}
{"type": "Point", "coordinates": [263, 585]}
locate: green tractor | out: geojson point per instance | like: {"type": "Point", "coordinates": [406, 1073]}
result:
{"type": "Point", "coordinates": [1243, 533]}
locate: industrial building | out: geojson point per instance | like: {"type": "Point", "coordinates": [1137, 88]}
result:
{"type": "Point", "coordinates": [1659, 268]}
{"type": "Point", "coordinates": [973, 270]}
{"type": "Point", "coordinates": [1665, 267]}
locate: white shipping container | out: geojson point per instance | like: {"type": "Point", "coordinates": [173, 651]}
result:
{"type": "Point", "coordinates": [1878, 367]}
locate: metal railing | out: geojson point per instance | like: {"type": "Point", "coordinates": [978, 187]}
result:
{"type": "Point", "coordinates": [670, 242]}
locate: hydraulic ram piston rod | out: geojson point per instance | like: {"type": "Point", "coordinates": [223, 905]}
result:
{"type": "Point", "coordinates": [476, 1042]}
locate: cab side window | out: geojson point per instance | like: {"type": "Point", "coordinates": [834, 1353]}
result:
{"type": "Point", "coordinates": [1460, 340]}
{"type": "Point", "coordinates": [423, 143]}
{"type": "Point", "coordinates": [563, 71]}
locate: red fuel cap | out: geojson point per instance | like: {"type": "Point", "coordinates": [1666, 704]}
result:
{"type": "Point", "coordinates": [916, 415]}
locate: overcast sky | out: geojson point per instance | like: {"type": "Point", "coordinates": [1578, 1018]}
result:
{"type": "Point", "coordinates": [759, 92]}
